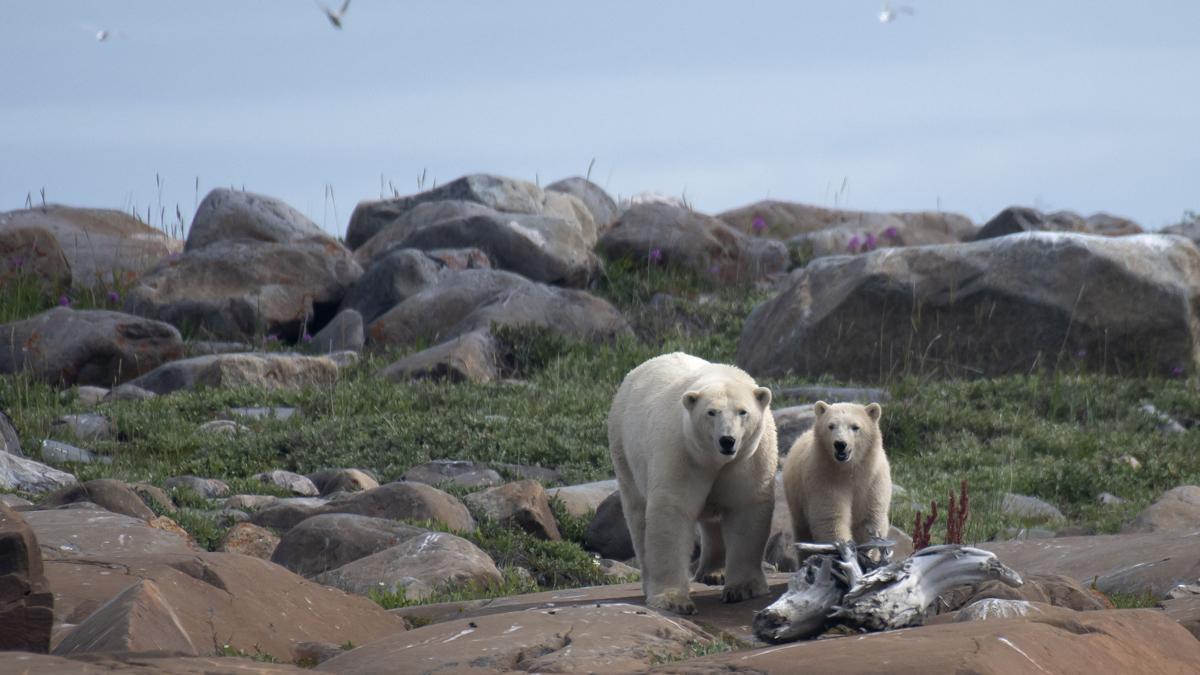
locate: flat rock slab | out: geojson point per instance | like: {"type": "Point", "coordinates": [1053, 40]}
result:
{"type": "Point", "coordinates": [210, 600]}
{"type": "Point", "coordinates": [1120, 563]}
{"type": "Point", "coordinates": [1186, 611]}
{"type": "Point", "coordinates": [1112, 641]}
{"type": "Point", "coordinates": [609, 638]}
{"type": "Point", "coordinates": [711, 613]}
{"type": "Point", "coordinates": [23, 663]}
{"type": "Point", "coordinates": [74, 533]}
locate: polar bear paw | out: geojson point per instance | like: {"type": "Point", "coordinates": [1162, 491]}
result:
{"type": "Point", "coordinates": [744, 591]}
{"type": "Point", "coordinates": [672, 601]}
{"type": "Point", "coordinates": [712, 578]}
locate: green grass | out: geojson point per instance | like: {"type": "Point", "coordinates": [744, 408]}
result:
{"type": "Point", "coordinates": [1133, 600]}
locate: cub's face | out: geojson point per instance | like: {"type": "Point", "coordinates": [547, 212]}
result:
{"type": "Point", "coordinates": [846, 430]}
{"type": "Point", "coordinates": [725, 418]}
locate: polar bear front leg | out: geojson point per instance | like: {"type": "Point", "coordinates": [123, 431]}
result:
{"type": "Point", "coordinates": [670, 526]}
{"type": "Point", "coordinates": [746, 529]}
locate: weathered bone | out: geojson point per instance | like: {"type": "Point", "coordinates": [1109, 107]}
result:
{"type": "Point", "coordinates": [886, 595]}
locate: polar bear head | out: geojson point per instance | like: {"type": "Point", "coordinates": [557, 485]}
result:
{"type": "Point", "coordinates": [846, 430]}
{"type": "Point", "coordinates": [725, 419]}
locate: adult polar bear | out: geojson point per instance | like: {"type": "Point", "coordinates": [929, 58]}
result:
{"type": "Point", "coordinates": [695, 441]}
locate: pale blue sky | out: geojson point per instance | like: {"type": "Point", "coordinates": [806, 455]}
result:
{"type": "Point", "coordinates": [970, 106]}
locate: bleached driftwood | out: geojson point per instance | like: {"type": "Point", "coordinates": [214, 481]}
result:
{"type": "Point", "coordinates": [859, 586]}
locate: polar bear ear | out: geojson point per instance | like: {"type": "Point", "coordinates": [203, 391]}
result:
{"type": "Point", "coordinates": [874, 411]}
{"type": "Point", "coordinates": [690, 398]}
{"type": "Point", "coordinates": [763, 396]}
{"type": "Point", "coordinates": [820, 407]}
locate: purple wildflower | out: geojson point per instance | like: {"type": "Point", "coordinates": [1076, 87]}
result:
{"type": "Point", "coordinates": [306, 338]}
{"type": "Point", "coordinates": [271, 338]}
{"type": "Point", "coordinates": [656, 255]}
{"type": "Point", "coordinates": [891, 233]}
{"type": "Point", "coordinates": [1081, 353]}
{"type": "Point", "coordinates": [714, 270]}
{"type": "Point", "coordinates": [1177, 371]}
{"type": "Point", "coordinates": [854, 244]}
{"type": "Point", "coordinates": [64, 301]}
{"type": "Point", "coordinates": [871, 242]}
{"type": "Point", "coordinates": [759, 225]}
{"type": "Point", "coordinates": [113, 297]}
{"type": "Point", "coordinates": [17, 262]}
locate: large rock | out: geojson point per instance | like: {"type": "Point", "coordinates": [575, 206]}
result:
{"type": "Point", "coordinates": [33, 253]}
{"type": "Point", "coordinates": [101, 246]}
{"type": "Point", "coordinates": [609, 638]}
{"type": "Point", "coordinates": [584, 499]}
{"type": "Point", "coordinates": [608, 533]}
{"type": "Point", "coordinates": [785, 220]}
{"type": "Point", "coordinates": [418, 566]}
{"type": "Point", "coordinates": [26, 475]}
{"type": "Point", "coordinates": [1056, 590]}
{"type": "Point", "coordinates": [473, 300]}
{"type": "Point", "coordinates": [471, 357]}
{"type": "Point", "coordinates": [497, 193]}
{"type": "Point", "coordinates": [1029, 508]}
{"type": "Point", "coordinates": [543, 248]}
{"type": "Point", "coordinates": [26, 604]}
{"type": "Point", "coordinates": [461, 473]}
{"type": "Point", "coordinates": [284, 514]}
{"type": "Point", "coordinates": [1122, 641]}
{"type": "Point", "coordinates": [791, 423]}
{"type": "Point", "coordinates": [663, 234]}
{"type": "Point", "coordinates": [343, 333]}
{"type": "Point", "coordinates": [995, 307]}
{"type": "Point", "coordinates": [209, 602]}
{"type": "Point", "coordinates": [394, 276]}
{"type": "Point", "coordinates": [208, 488]}
{"type": "Point", "coordinates": [261, 370]}
{"type": "Point", "coordinates": [108, 494]}
{"type": "Point", "coordinates": [407, 501]}
{"type": "Point", "coordinates": [602, 207]}
{"type": "Point", "coordinates": [329, 481]}
{"type": "Point", "coordinates": [82, 532]}
{"type": "Point", "coordinates": [235, 290]}
{"type": "Point", "coordinates": [230, 215]}
{"type": "Point", "coordinates": [1175, 509]}
{"type": "Point", "coordinates": [249, 539]}
{"type": "Point", "coordinates": [522, 504]}
{"type": "Point", "coordinates": [290, 481]}
{"type": "Point", "coordinates": [324, 542]}
{"type": "Point", "coordinates": [1186, 611]}
{"type": "Point", "coordinates": [63, 346]}
{"type": "Point", "coordinates": [1134, 564]}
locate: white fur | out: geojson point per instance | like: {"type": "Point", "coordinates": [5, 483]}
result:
{"type": "Point", "coordinates": [667, 453]}
{"type": "Point", "coordinates": [832, 500]}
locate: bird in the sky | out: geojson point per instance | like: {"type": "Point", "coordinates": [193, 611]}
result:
{"type": "Point", "coordinates": [335, 18]}
{"type": "Point", "coordinates": [888, 15]}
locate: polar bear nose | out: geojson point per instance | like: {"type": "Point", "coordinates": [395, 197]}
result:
{"type": "Point", "coordinates": [727, 443]}
{"type": "Point", "coordinates": [840, 446]}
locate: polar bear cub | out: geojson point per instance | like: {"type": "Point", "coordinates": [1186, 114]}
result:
{"type": "Point", "coordinates": [693, 441]}
{"type": "Point", "coordinates": [837, 479]}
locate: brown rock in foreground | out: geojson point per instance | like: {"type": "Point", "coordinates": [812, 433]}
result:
{"type": "Point", "coordinates": [521, 504]}
{"type": "Point", "coordinates": [1175, 509]}
{"type": "Point", "coordinates": [1120, 563]}
{"type": "Point", "coordinates": [1113, 641]}
{"type": "Point", "coordinates": [26, 605]}
{"type": "Point", "coordinates": [616, 638]}
{"type": "Point", "coordinates": [204, 601]}
{"type": "Point", "coordinates": [24, 663]}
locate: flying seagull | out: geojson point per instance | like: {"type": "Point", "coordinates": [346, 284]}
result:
{"type": "Point", "coordinates": [335, 18]}
{"type": "Point", "coordinates": [103, 34]}
{"type": "Point", "coordinates": [888, 15]}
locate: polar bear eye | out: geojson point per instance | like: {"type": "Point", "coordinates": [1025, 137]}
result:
{"type": "Point", "coordinates": [712, 413]}
{"type": "Point", "coordinates": [832, 426]}
{"type": "Point", "coordinates": [854, 427]}
{"type": "Point", "coordinates": [742, 413]}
